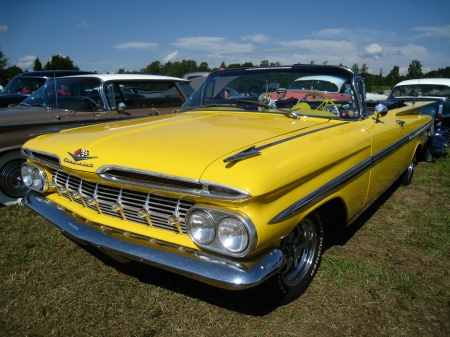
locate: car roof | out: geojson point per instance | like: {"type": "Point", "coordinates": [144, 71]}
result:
{"type": "Point", "coordinates": [190, 76]}
{"type": "Point", "coordinates": [112, 77]}
{"type": "Point", "coordinates": [52, 73]}
{"type": "Point", "coordinates": [441, 81]}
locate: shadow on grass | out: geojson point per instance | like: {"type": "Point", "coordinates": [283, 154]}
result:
{"type": "Point", "coordinates": [340, 236]}
{"type": "Point", "coordinates": [254, 301]}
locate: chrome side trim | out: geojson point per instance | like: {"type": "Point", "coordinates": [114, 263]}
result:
{"type": "Point", "coordinates": [347, 177]}
{"type": "Point", "coordinates": [324, 191]}
{"type": "Point", "coordinates": [201, 266]}
{"type": "Point", "coordinates": [255, 151]}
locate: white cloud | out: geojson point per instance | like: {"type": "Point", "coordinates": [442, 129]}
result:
{"type": "Point", "coordinates": [332, 32]}
{"type": "Point", "coordinates": [373, 51]}
{"type": "Point", "coordinates": [26, 62]}
{"type": "Point", "coordinates": [320, 46]}
{"type": "Point", "coordinates": [3, 28]}
{"type": "Point", "coordinates": [257, 38]}
{"type": "Point", "coordinates": [213, 45]}
{"type": "Point", "coordinates": [170, 57]}
{"type": "Point", "coordinates": [82, 25]}
{"type": "Point", "coordinates": [433, 31]}
{"type": "Point", "coordinates": [135, 45]}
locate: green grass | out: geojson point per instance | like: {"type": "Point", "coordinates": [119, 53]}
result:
{"type": "Point", "coordinates": [388, 275]}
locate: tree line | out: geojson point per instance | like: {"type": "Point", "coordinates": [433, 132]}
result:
{"type": "Point", "coordinates": [374, 82]}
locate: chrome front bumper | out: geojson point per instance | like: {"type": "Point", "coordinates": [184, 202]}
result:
{"type": "Point", "coordinates": [203, 267]}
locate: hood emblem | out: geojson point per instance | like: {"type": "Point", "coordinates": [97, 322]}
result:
{"type": "Point", "coordinates": [80, 155]}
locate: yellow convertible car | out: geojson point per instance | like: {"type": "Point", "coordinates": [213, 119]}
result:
{"type": "Point", "coordinates": [239, 186]}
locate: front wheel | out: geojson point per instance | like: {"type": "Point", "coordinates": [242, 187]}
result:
{"type": "Point", "coordinates": [302, 249]}
{"type": "Point", "coordinates": [12, 187]}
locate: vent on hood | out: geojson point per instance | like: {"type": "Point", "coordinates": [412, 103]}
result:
{"type": "Point", "coordinates": [43, 157]}
{"type": "Point", "coordinates": [158, 181]}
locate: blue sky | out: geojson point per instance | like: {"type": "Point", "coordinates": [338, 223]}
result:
{"type": "Point", "coordinates": [108, 35]}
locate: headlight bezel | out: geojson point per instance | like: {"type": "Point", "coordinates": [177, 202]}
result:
{"type": "Point", "coordinates": [218, 215]}
{"type": "Point", "coordinates": [35, 172]}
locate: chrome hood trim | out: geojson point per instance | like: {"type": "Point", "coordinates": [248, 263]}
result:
{"type": "Point", "coordinates": [165, 182]}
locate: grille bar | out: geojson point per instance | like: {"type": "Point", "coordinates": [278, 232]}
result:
{"type": "Point", "coordinates": [161, 210]}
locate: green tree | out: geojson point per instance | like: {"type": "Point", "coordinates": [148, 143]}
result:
{"type": "Point", "coordinates": [203, 67]}
{"type": "Point", "coordinates": [8, 73]}
{"type": "Point", "coordinates": [58, 62]}
{"type": "Point", "coordinates": [393, 77]}
{"type": "Point", "coordinates": [355, 68]}
{"type": "Point", "coordinates": [264, 63]}
{"type": "Point", "coordinates": [364, 70]}
{"type": "Point", "coordinates": [3, 60]}
{"type": "Point", "coordinates": [187, 66]}
{"type": "Point", "coordinates": [37, 64]}
{"type": "Point", "coordinates": [153, 68]}
{"type": "Point", "coordinates": [415, 70]}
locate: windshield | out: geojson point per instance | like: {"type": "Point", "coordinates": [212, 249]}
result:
{"type": "Point", "coordinates": [421, 90]}
{"type": "Point", "coordinates": [71, 93]}
{"type": "Point", "coordinates": [23, 85]}
{"type": "Point", "coordinates": [320, 91]}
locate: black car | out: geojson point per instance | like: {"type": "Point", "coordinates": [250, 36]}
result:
{"type": "Point", "coordinates": [23, 85]}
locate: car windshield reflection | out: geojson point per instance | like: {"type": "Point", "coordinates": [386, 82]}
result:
{"type": "Point", "coordinates": [326, 92]}
{"type": "Point", "coordinates": [68, 93]}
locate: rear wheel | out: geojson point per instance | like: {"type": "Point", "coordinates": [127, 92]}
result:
{"type": "Point", "coordinates": [12, 187]}
{"type": "Point", "coordinates": [408, 174]}
{"type": "Point", "coordinates": [302, 249]}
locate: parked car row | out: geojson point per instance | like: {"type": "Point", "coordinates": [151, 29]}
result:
{"type": "Point", "coordinates": [66, 102]}
{"type": "Point", "coordinates": [234, 189]}
{"type": "Point", "coordinates": [23, 85]}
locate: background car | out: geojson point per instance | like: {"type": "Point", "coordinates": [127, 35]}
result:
{"type": "Point", "coordinates": [231, 191]}
{"type": "Point", "coordinates": [23, 85]}
{"type": "Point", "coordinates": [428, 89]}
{"type": "Point", "coordinates": [66, 102]}
{"type": "Point", "coordinates": [196, 78]}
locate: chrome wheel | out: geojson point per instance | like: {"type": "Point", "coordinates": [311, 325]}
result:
{"type": "Point", "coordinates": [300, 248]}
{"type": "Point", "coordinates": [409, 173]}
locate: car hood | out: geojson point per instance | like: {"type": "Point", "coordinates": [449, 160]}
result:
{"type": "Point", "coordinates": [182, 145]}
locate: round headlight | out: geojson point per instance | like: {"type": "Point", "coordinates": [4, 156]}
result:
{"type": "Point", "coordinates": [233, 235]}
{"type": "Point", "coordinates": [201, 227]}
{"type": "Point", "coordinates": [38, 182]}
{"type": "Point", "coordinates": [26, 175]}
{"type": "Point", "coordinates": [33, 177]}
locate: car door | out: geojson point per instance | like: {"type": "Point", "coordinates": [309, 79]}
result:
{"type": "Point", "coordinates": [388, 152]}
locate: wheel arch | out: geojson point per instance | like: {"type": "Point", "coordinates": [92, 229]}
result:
{"type": "Point", "coordinates": [333, 212]}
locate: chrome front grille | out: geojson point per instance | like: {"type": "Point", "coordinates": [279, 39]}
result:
{"type": "Point", "coordinates": [165, 213]}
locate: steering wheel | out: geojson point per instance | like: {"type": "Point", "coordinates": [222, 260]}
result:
{"type": "Point", "coordinates": [326, 101]}
{"type": "Point", "coordinates": [91, 102]}
{"type": "Point", "coordinates": [252, 91]}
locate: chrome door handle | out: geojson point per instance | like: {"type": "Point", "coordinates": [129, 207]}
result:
{"type": "Point", "coordinates": [401, 123]}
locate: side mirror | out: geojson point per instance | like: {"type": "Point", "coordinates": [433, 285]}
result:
{"type": "Point", "coordinates": [380, 110]}
{"type": "Point", "coordinates": [121, 107]}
